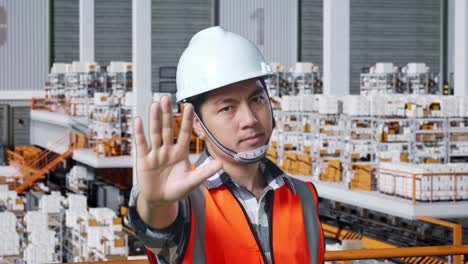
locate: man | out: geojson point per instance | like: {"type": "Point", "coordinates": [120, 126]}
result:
{"type": "Point", "coordinates": [236, 206]}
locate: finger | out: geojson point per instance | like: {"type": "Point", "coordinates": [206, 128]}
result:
{"type": "Point", "coordinates": [167, 121]}
{"type": "Point", "coordinates": [201, 174]}
{"type": "Point", "coordinates": [155, 126]}
{"type": "Point", "coordinates": [140, 140]}
{"type": "Point", "coordinates": [185, 134]}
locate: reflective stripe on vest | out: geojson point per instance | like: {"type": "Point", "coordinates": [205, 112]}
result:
{"type": "Point", "coordinates": [220, 232]}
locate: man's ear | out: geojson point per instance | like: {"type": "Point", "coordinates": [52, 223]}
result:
{"type": "Point", "coordinates": [198, 128]}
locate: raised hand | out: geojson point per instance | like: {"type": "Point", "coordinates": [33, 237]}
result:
{"type": "Point", "coordinates": [165, 174]}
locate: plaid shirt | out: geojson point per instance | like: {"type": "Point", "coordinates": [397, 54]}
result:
{"type": "Point", "coordinates": [169, 243]}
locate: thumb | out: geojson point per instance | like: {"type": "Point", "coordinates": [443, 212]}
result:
{"type": "Point", "coordinates": [202, 173]}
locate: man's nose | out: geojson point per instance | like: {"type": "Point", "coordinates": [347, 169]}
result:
{"type": "Point", "coordinates": [248, 117]}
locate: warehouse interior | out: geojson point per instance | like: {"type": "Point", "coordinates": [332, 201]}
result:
{"type": "Point", "coordinates": [370, 100]}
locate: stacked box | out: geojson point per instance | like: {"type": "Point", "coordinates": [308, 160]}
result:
{"type": "Point", "coordinates": [77, 201]}
{"type": "Point", "coordinates": [76, 179]}
{"type": "Point", "coordinates": [100, 230]}
{"type": "Point", "coordinates": [36, 253]}
{"type": "Point", "coordinates": [450, 106]}
{"type": "Point", "coordinates": [9, 244]}
{"type": "Point", "coordinates": [51, 203]}
{"type": "Point", "coordinates": [328, 105]}
{"type": "Point", "coordinates": [36, 220]}
{"type": "Point", "coordinates": [462, 106]}
{"type": "Point", "coordinates": [396, 179]}
{"type": "Point", "coordinates": [383, 67]}
{"type": "Point", "coordinates": [387, 105]}
{"type": "Point", "coordinates": [308, 103]}
{"type": "Point", "coordinates": [10, 199]}
{"type": "Point", "coordinates": [290, 103]}
{"type": "Point", "coordinates": [355, 105]}
{"type": "Point", "coordinates": [42, 241]}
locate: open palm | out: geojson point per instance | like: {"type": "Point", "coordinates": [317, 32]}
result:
{"type": "Point", "coordinates": [165, 174]}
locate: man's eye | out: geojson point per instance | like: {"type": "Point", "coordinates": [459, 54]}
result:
{"type": "Point", "coordinates": [258, 99]}
{"type": "Point", "coordinates": [225, 109]}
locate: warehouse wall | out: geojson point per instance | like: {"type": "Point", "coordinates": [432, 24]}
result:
{"type": "Point", "coordinates": [4, 133]}
{"type": "Point", "coordinates": [397, 31]}
{"type": "Point", "coordinates": [270, 24]}
{"type": "Point", "coordinates": [113, 31]}
{"type": "Point", "coordinates": [401, 32]}
{"type": "Point", "coordinates": [381, 31]}
{"type": "Point", "coordinates": [65, 31]}
{"type": "Point", "coordinates": [4, 122]}
{"type": "Point", "coordinates": [311, 31]}
{"type": "Point", "coordinates": [24, 48]}
{"type": "Point", "coordinates": [20, 125]}
{"type": "Point", "coordinates": [173, 24]}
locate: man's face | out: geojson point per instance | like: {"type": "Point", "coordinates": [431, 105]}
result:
{"type": "Point", "coordinates": [238, 115]}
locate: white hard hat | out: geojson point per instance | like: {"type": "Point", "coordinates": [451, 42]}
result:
{"type": "Point", "coordinates": [214, 58]}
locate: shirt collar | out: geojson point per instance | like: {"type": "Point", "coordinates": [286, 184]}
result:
{"type": "Point", "coordinates": [274, 176]}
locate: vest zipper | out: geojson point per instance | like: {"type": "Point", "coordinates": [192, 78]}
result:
{"type": "Point", "coordinates": [251, 228]}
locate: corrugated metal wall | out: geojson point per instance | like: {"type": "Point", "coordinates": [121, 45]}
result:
{"type": "Point", "coordinates": [65, 31]}
{"type": "Point", "coordinates": [4, 138]}
{"type": "Point", "coordinates": [173, 25]}
{"type": "Point", "coordinates": [398, 31]}
{"type": "Point", "coordinates": [381, 31]}
{"type": "Point", "coordinates": [20, 125]}
{"type": "Point", "coordinates": [113, 31]}
{"type": "Point", "coordinates": [24, 56]}
{"type": "Point", "coordinates": [270, 24]}
{"type": "Point", "coordinates": [311, 31]}
{"type": "Point", "coordinates": [4, 117]}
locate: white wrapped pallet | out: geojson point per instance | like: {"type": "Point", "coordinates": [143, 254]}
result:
{"type": "Point", "coordinates": [119, 67]}
{"type": "Point", "coordinates": [462, 106]}
{"type": "Point", "coordinates": [450, 106]}
{"type": "Point", "coordinates": [428, 188]}
{"type": "Point", "coordinates": [51, 203]}
{"type": "Point", "coordinates": [388, 105]}
{"type": "Point", "coordinates": [77, 202]}
{"type": "Point", "coordinates": [103, 214]}
{"type": "Point", "coordinates": [302, 67]}
{"type": "Point", "coordinates": [416, 68]}
{"type": "Point", "coordinates": [115, 247]}
{"type": "Point", "coordinates": [9, 244]}
{"type": "Point", "coordinates": [94, 236]}
{"type": "Point", "coordinates": [383, 67]}
{"type": "Point", "coordinates": [3, 192]}
{"type": "Point", "coordinates": [43, 237]}
{"type": "Point", "coordinates": [36, 220]}
{"type": "Point", "coordinates": [308, 103]}
{"type": "Point", "coordinates": [329, 105]}
{"type": "Point", "coordinates": [38, 254]}
{"type": "Point", "coordinates": [71, 218]}
{"type": "Point", "coordinates": [8, 221]}
{"type": "Point", "coordinates": [290, 103]}
{"type": "Point", "coordinates": [77, 176]}
{"type": "Point", "coordinates": [356, 105]}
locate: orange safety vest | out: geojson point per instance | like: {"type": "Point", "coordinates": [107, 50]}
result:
{"type": "Point", "coordinates": [220, 231]}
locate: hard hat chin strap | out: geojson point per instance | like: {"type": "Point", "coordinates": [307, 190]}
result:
{"type": "Point", "coordinates": [249, 156]}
